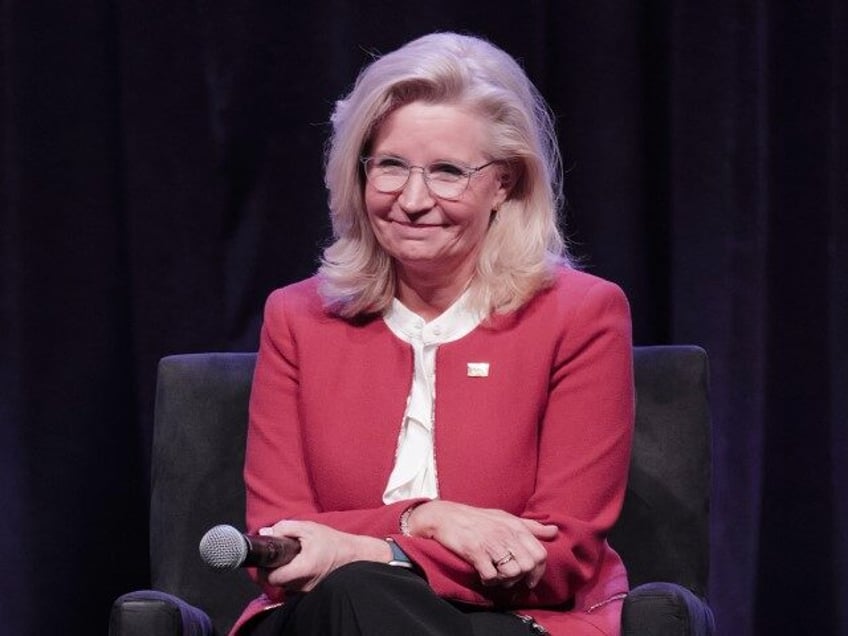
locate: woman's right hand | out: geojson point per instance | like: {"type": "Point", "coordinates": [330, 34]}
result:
{"type": "Point", "coordinates": [322, 550]}
{"type": "Point", "coordinates": [503, 548]}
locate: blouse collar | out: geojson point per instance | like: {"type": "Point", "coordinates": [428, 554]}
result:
{"type": "Point", "coordinates": [456, 321]}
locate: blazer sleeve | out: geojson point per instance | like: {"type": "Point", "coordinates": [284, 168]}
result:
{"type": "Point", "coordinates": [584, 453]}
{"type": "Point", "coordinates": [277, 480]}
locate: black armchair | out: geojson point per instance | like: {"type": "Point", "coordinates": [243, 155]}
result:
{"type": "Point", "coordinates": [198, 451]}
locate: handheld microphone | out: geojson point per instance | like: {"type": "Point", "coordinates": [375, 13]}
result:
{"type": "Point", "coordinates": [225, 548]}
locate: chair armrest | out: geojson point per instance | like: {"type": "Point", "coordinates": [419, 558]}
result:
{"type": "Point", "coordinates": [665, 609]}
{"type": "Point", "coordinates": [152, 613]}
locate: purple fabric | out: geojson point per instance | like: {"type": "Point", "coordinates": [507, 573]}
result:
{"type": "Point", "coordinates": [148, 612]}
{"type": "Point", "coordinates": [665, 609]}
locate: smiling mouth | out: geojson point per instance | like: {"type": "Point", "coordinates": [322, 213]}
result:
{"type": "Point", "coordinates": [419, 225]}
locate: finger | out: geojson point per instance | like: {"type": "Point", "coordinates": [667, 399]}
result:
{"type": "Point", "coordinates": [488, 573]}
{"type": "Point", "coordinates": [293, 528]}
{"type": "Point", "coordinates": [296, 575]}
{"type": "Point", "coordinates": [521, 565]}
{"type": "Point", "coordinates": [541, 530]}
{"type": "Point", "coordinates": [512, 563]}
{"type": "Point", "coordinates": [283, 576]}
{"type": "Point", "coordinates": [527, 562]}
{"type": "Point", "coordinates": [486, 568]}
{"type": "Point", "coordinates": [299, 585]}
{"type": "Point", "coordinates": [512, 571]}
{"type": "Point", "coordinates": [529, 579]}
{"type": "Point", "coordinates": [534, 566]}
{"type": "Point", "coordinates": [534, 575]}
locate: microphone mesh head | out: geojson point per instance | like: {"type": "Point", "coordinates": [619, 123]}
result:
{"type": "Point", "coordinates": [223, 547]}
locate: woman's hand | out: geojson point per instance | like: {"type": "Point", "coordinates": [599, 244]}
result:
{"type": "Point", "coordinates": [503, 548]}
{"type": "Point", "coordinates": [322, 550]}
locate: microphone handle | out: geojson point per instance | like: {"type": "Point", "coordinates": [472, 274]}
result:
{"type": "Point", "coordinates": [269, 552]}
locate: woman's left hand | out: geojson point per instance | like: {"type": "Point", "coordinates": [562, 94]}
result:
{"type": "Point", "coordinates": [503, 548]}
{"type": "Point", "coordinates": [322, 550]}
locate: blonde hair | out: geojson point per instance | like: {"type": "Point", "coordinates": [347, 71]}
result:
{"type": "Point", "coordinates": [522, 246]}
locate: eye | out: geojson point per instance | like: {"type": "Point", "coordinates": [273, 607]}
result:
{"type": "Point", "coordinates": [445, 171]}
{"type": "Point", "coordinates": [389, 164]}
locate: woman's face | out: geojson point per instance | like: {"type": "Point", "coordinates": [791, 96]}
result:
{"type": "Point", "coordinates": [425, 234]}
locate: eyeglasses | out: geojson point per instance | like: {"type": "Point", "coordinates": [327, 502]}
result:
{"type": "Point", "coordinates": [444, 179]}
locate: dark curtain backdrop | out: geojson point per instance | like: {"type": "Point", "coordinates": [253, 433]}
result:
{"type": "Point", "coordinates": [161, 173]}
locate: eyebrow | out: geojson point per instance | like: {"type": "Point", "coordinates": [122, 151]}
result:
{"type": "Point", "coordinates": [393, 155]}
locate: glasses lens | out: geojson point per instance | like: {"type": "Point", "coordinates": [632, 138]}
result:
{"type": "Point", "coordinates": [447, 189]}
{"type": "Point", "coordinates": [390, 175]}
{"type": "Point", "coordinates": [389, 182]}
{"type": "Point", "coordinates": [447, 180]}
{"type": "Point", "coordinates": [385, 174]}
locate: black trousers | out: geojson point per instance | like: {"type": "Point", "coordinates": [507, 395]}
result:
{"type": "Point", "coordinates": [374, 599]}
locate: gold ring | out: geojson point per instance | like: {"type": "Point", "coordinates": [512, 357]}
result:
{"type": "Point", "coordinates": [509, 556]}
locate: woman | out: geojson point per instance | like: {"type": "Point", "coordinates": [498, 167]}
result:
{"type": "Point", "coordinates": [442, 416]}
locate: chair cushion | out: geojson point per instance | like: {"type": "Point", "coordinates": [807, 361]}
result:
{"type": "Point", "coordinates": [665, 609]}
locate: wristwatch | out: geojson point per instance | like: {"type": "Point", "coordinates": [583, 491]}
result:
{"type": "Point", "coordinates": [399, 558]}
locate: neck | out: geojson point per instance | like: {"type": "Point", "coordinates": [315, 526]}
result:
{"type": "Point", "coordinates": [429, 296]}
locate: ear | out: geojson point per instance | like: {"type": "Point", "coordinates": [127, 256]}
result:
{"type": "Point", "coordinates": [507, 177]}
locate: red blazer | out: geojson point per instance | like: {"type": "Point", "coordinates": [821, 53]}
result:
{"type": "Point", "coordinates": [545, 436]}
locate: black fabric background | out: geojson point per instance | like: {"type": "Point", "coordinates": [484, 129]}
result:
{"type": "Point", "coordinates": [161, 173]}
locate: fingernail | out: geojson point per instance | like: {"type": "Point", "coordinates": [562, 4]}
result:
{"type": "Point", "coordinates": [265, 531]}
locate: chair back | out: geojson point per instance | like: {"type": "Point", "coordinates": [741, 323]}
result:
{"type": "Point", "coordinates": [200, 426]}
{"type": "Point", "coordinates": [198, 452]}
{"type": "Point", "coordinates": [663, 531]}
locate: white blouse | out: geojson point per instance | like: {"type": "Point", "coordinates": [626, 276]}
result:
{"type": "Point", "coordinates": [414, 474]}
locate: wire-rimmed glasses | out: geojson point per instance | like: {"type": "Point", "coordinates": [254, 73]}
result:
{"type": "Point", "coordinates": [444, 179]}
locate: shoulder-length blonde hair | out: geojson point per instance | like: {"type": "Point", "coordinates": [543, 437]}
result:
{"type": "Point", "coordinates": [522, 246]}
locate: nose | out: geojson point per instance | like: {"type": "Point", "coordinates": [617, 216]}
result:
{"type": "Point", "coordinates": [415, 196]}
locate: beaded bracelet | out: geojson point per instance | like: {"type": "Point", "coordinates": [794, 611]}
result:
{"type": "Point", "coordinates": [404, 520]}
